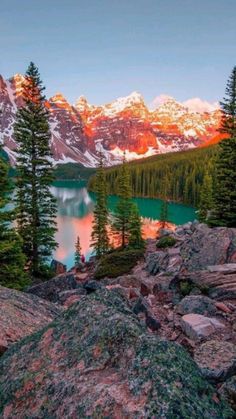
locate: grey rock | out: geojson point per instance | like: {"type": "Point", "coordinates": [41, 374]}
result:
{"type": "Point", "coordinates": [198, 304]}
{"type": "Point", "coordinates": [216, 360]}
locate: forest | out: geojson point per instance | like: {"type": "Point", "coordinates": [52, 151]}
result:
{"type": "Point", "coordinates": [174, 176]}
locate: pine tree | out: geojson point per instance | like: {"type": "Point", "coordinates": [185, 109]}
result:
{"type": "Point", "coordinates": [206, 198]}
{"type": "Point", "coordinates": [12, 260]}
{"type": "Point", "coordinates": [123, 208]}
{"type": "Point", "coordinates": [135, 228]}
{"type": "Point", "coordinates": [164, 213]}
{"type": "Point", "coordinates": [224, 202]}
{"type": "Point", "coordinates": [35, 205]}
{"type": "Point", "coordinates": [228, 107]}
{"type": "Point", "coordinates": [77, 252]}
{"type": "Point", "coordinates": [100, 240]}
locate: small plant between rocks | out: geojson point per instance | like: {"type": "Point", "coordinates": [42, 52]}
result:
{"type": "Point", "coordinates": [165, 242]}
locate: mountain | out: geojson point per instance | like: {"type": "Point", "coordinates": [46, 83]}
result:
{"type": "Point", "coordinates": [79, 131]}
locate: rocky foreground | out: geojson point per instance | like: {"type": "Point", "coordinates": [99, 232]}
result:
{"type": "Point", "coordinates": [159, 342]}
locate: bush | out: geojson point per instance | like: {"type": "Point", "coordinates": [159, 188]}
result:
{"type": "Point", "coordinates": [118, 262]}
{"type": "Point", "coordinates": [166, 241]}
{"type": "Point", "coordinates": [186, 287]}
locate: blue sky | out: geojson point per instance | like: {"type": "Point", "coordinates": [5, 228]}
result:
{"type": "Point", "coordinates": [109, 48]}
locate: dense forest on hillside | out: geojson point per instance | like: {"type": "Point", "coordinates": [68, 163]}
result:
{"type": "Point", "coordinates": [73, 171]}
{"type": "Point", "coordinates": [174, 176]}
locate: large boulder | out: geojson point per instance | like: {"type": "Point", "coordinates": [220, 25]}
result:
{"type": "Point", "coordinates": [208, 246]}
{"type": "Point", "coordinates": [51, 290]}
{"type": "Point", "coordinates": [21, 315]}
{"type": "Point", "coordinates": [97, 360]}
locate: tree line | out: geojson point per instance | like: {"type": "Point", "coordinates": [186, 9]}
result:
{"type": "Point", "coordinates": [174, 176]}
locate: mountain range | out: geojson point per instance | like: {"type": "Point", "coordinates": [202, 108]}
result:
{"type": "Point", "coordinates": [81, 130]}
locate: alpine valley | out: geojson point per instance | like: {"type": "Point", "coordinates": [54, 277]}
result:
{"type": "Point", "coordinates": [81, 130]}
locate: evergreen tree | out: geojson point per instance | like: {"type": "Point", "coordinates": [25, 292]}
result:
{"type": "Point", "coordinates": [164, 213]}
{"type": "Point", "coordinates": [100, 240]}
{"type": "Point", "coordinates": [35, 205]}
{"type": "Point", "coordinates": [77, 252]}
{"type": "Point", "coordinates": [206, 198]}
{"type": "Point", "coordinates": [135, 228]}
{"type": "Point", "coordinates": [124, 206]}
{"type": "Point", "coordinates": [228, 107]}
{"type": "Point", "coordinates": [12, 260]}
{"type": "Point", "coordinates": [224, 202]}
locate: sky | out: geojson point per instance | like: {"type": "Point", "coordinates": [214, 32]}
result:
{"type": "Point", "coordinates": [105, 49]}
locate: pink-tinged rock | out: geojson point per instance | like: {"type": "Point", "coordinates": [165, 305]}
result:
{"type": "Point", "coordinates": [223, 307]}
{"type": "Point", "coordinates": [81, 276]}
{"type": "Point", "coordinates": [22, 314]}
{"type": "Point", "coordinates": [196, 326]}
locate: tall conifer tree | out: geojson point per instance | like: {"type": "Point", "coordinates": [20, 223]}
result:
{"type": "Point", "coordinates": [206, 198]}
{"type": "Point", "coordinates": [12, 260]}
{"type": "Point", "coordinates": [224, 203]}
{"type": "Point", "coordinates": [35, 205]}
{"type": "Point", "coordinates": [124, 205]}
{"type": "Point", "coordinates": [164, 213]}
{"type": "Point", "coordinates": [100, 240]}
{"type": "Point", "coordinates": [135, 228]}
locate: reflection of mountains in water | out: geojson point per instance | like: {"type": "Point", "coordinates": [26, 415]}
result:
{"type": "Point", "coordinates": [74, 202]}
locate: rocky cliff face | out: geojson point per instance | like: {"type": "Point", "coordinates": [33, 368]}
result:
{"type": "Point", "coordinates": [80, 131]}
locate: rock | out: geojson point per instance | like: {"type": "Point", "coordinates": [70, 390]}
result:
{"type": "Point", "coordinates": [156, 262]}
{"type": "Point", "coordinates": [58, 267]}
{"type": "Point", "coordinates": [96, 360]}
{"type": "Point", "coordinates": [145, 290]}
{"type": "Point", "coordinates": [217, 285]}
{"type": "Point", "coordinates": [81, 276]}
{"type": "Point", "coordinates": [216, 359]}
{"type": "Point", "coordinates": [64, 295]}
{"type": "Point", "coordinates": [196, 326]}
{"type": "Point", "coordinates": [21, 315]}
{"type": "Point", "coordinates": [223, 307]}
{"type": "Point", "coordinates": [227, 268]}
{"type": "Point", "coordinates": [165, 232]}
{"type": "Point", "coordinates": [198, 304]}
{"type": "Point", "coordinates": [91, 286]}
{"type": "Point", "coordinates": [208, 246]}
{"type": "Point", "coordinates": [152, 322]}
{"type": "Point", "coordinates": [50, 290]}
{"type": "Point", "coordinates": [228, 391]}
{"type": "Point", "coordinates": [141, 306]}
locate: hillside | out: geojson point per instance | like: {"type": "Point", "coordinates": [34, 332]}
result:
{"type": "Point", "coordinates": [175, 176]}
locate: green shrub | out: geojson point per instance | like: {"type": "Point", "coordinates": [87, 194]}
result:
{"type": "Point", "coordinates": [186, 287]}
{"type": "Point", "coordinates": [166, 241]}
{"type": "Point", "coordinates": [118, 262]}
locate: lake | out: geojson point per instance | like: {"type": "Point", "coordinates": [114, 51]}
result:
{"type": "Point", "coordinates": [75, 217]}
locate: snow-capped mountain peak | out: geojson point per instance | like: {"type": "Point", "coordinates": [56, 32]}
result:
{"type": "Point", "coordinates": [79, 131]}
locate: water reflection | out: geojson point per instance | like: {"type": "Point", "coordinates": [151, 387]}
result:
{"type": "Point", "coordinates": [75, 217]}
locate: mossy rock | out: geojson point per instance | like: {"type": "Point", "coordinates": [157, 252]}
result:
{"type": "Point", "coordinates": [118, 263]}
{"type": "Point", "coordinates": [96, 360]}
{"type": "Point", "coordinates": [166, 241]}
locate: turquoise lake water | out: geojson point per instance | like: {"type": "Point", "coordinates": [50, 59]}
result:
{"type": "Point", "coordinates": [75, 216]}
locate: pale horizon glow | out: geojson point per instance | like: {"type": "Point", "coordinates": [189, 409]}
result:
{"type": "Point", "coordinates": [105, 50]}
